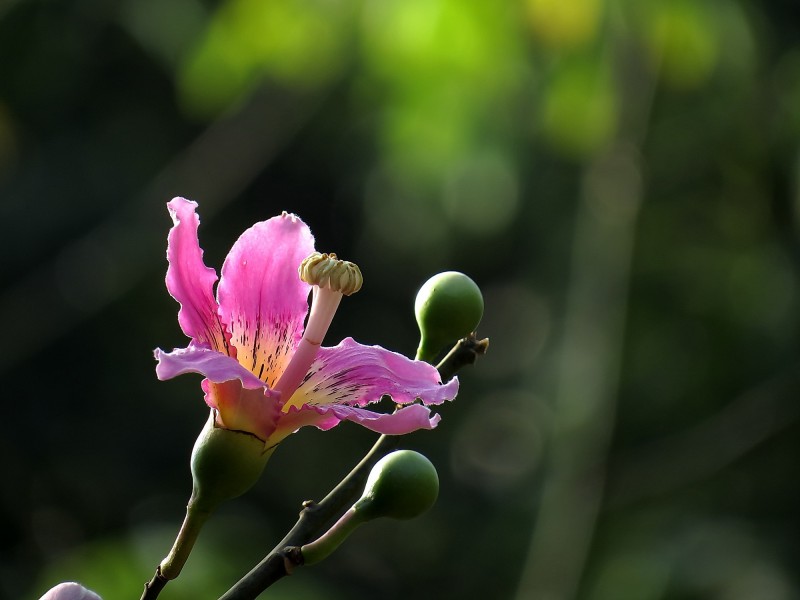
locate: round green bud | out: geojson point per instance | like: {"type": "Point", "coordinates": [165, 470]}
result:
{"type": "Point", "coordinates": [402, 485]}
{"type": "Point", "coordinates": [448, 307]}
{"type": "Point", "coordinates": [225, 464]}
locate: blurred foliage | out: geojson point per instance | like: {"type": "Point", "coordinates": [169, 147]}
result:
{"type": "Point", "coordinates": [619, 176]}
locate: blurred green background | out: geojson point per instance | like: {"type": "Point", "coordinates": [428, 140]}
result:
{"type": "Point", "coordinates": [619, 176]}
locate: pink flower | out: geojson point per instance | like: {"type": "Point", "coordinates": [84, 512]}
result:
{"type": "Point", "coordinates": [70, 591]}
{"type": "Point", "coordinates": [265, 373]}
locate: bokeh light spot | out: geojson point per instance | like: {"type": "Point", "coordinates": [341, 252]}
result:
{"type": "Point", "coordinates": [579, 111]}
{"type": "Point", "coordinates": [401, 219]}
{"type": "Point", "coordinates": [684, 43]}
{"type": "Point", "coordinates": [518, 322]}
{"type": "Point", "coordinates": [481, 194]}
{"type": "Point", "coordinates": [558, 24]}
{"type": "Point", "coordinates": [297, 43]}
{"type": "Point", "coordinates": [501, 441]}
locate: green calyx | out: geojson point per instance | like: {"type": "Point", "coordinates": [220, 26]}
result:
{"type": "Point", "coordinates": [225, 464]}
{"type": "Point", "coordinates": [402, 485]}
{"type": "Point", "coordinates": [448, 307]}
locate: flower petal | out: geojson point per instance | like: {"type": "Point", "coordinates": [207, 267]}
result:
{"type": "Point", "coordinates": [214, 365]}
{"type": "Point", "coordinates": [402, 421]}
{"type": "Point", "coordinates": [256, 411]}
{"type": "Point", "coordinates": [189, 281]}
{"type": "Point", "coordinates": [241, 399]}
{"type": "Point", "coordinates": [262, 298]}
{"type": "Point", "coordinates": [69, 591]}
{"type": "Point", "coordinates": [351, 373]}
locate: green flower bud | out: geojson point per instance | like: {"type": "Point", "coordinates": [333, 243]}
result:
{"type": "Point", "coordinates": [225, 464]}
{"type": "Point", "coordinates": [402, 485]}
{"type": "Point", "coordinates": [448, 307]}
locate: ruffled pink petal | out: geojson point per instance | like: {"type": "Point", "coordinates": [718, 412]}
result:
{"type": "Point", "coordinates": [70, 591]}
{"type": "Point", "coordinates": [214, 365]}
{"type": "Point", "coordinates": [261, 296]}
{"type": "Point", "coordinates": [404, 420]}
{"type": "Point", "coordinates": [351, 373]}
{"type": "Point", "coordinates": [189, 281]}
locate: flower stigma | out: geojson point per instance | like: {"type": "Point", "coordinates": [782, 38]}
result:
{"type": "Point", "coordinates": [330, 278]}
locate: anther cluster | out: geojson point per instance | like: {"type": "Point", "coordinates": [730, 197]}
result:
{"type": "Point", "coordinates": [328, 272]}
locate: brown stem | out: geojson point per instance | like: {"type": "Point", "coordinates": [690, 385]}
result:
{"type": "Point", "coordinates": [465, 352]}
{"type": "Point", "coordinates": [153, 587]}
{"type": "Point", "coordinates": [313, 519]}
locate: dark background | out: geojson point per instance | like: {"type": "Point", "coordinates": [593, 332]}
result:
{"type": "Point", "coordinates": [619, 176]}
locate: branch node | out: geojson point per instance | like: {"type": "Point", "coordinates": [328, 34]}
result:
{"type": "Point", "coordinates": [292, 558]}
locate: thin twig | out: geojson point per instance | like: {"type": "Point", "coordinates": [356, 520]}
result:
{"type": "Point", "coordinates": [464, 353]}
{"type": "Point", "coordinates": [316, 517]}
{"type": "Point", "coordinates": [153, 587]}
